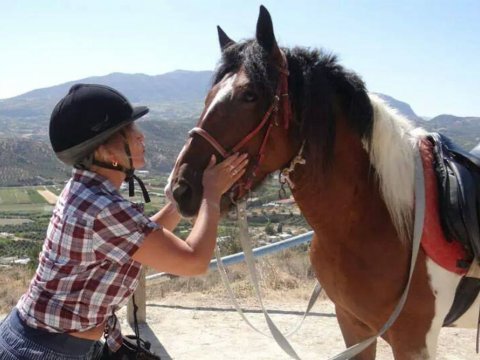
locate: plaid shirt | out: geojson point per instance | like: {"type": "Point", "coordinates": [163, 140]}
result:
{"type": "Point", "coordinates": [85, 270]}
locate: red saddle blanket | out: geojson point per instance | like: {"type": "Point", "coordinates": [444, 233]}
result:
{"type": "Point", "coordinates": [444, 253]}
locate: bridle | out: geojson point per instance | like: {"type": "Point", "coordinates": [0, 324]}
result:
{"type": "Point", "coordinates": [269, 120]}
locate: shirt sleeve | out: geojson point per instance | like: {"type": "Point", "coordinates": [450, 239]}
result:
{"type": "Point", "coordinates": [119, 230]}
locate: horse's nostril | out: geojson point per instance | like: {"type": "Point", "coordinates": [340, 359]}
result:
{"type": "Point", "coordinates": [182, 191]}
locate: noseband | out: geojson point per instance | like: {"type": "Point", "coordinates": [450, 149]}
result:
{"type": "Point", "coordinates": [268, 120]}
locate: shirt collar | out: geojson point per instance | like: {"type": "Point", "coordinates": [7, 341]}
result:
{"type": "Point", "coordinates": [91, 178]}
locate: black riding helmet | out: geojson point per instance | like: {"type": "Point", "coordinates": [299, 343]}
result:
{"type": "Point", "coordinates": [84, 119]}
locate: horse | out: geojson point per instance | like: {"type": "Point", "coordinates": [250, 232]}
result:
{"type": "Point", "coordinates": [354, 182]}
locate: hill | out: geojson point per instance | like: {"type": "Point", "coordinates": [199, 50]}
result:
{"type": "Point", "coordinates": [173, 96]}
{"type": "Point", "coordinates": [175, 100]}
{"type": "Point", "coordinates": [26, 161]}
{"type": "Point", "coordinates": [464, 130]}
{"type": "Point", "coordinates": [402, 107]}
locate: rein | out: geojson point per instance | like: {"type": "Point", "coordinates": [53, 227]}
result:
{"type": "Point", "coordinates": [356, 349]}
{"type": "Point", "coordinates": [269, 119]}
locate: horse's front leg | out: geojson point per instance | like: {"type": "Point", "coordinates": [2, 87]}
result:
{"type": "Point", "coordinates": [355, 331]}
{"type": "Point", "coordinates": [413, 341]}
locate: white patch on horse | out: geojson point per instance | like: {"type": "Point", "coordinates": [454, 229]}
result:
{"type": "Point", "coordinates": [391, 153]}
{"type": "Point", "coordinates": [443, 284]}
{"type": "Point", "coordinates": [225, 91]}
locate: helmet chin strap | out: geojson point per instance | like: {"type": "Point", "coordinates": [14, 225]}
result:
{"type": "Point", "coordinates": [129, 172]}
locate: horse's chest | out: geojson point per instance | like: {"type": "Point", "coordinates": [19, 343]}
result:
{"type": "Point", "coordinates": [336, 269]}
{"type": "Point", "coordinates": [352, 277]}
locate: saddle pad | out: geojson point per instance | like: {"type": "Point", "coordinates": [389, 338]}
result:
{"type": "Point", "coordinates": [444, 253]}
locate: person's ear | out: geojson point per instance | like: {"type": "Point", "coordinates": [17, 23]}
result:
{"type": "Point", "coordinates": [103, 153]}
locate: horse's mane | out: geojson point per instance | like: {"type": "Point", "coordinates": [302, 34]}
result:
{"type": "Point", "coordinates": [391, 151]}
{"type": "Point", "coordinates": [321, 90]}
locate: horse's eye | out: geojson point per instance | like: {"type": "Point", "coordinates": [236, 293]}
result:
{"type": "Point", "coordinates": [249, 96]}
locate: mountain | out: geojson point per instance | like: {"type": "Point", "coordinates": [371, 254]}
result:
{"type": "Point", "coordinates": [402, 107]}
{"type": "Point", "coordinates": [28, 162]}
{"type": "Point", "coordinates": [464, 130]}
{"type": "Point", "coordinates": [174, 95]}
{"type": "Point", "coordinates": [175, 100]}
{"type": "Point", "coordinates": [177, 86]}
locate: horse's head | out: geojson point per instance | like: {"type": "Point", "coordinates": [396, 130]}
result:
{"type": "Point", "coordinates": [246, 110]}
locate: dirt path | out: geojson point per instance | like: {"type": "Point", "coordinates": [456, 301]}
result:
{"type": "Point", "coordinates": [49, 197]}
{"type": "Point", "coordinates": [194, 326]}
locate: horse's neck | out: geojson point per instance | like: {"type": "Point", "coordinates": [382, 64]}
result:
{"type": "Point", "coordinates": [339, 202]}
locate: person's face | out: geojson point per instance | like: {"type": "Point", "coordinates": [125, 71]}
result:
{"type": "Point", "coordinates": [135, 139]}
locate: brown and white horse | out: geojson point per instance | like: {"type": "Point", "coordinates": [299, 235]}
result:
{"type": "Point", "coordinates": [356, 188]}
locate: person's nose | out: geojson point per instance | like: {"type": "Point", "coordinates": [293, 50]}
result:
{"type": "Point", "coordinates": [140, 136]}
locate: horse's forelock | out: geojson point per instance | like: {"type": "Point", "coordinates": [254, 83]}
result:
{"type": "Point", "coordinates": [254, 59]}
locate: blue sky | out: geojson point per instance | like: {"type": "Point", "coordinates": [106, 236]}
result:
{"type": "Point", "coordinates": [426, 53]}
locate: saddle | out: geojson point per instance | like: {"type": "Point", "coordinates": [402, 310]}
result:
{"type": "Point", "coordinates": [458, 178]}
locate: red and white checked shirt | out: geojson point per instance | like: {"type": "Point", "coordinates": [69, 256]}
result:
{"type": "Point", "coordinates": [85, 270]}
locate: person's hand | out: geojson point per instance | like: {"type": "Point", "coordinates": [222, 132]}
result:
{"type": "Point", "coordinates": [217, 179]}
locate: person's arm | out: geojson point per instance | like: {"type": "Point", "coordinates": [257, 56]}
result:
{"type": "Point", "coordinates": [164, 251]}
{"type": "Point", "coordinates": [168, 217]}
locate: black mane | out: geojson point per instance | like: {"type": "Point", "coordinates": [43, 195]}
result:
{"type": "Point", "coordinates": [320, 90]}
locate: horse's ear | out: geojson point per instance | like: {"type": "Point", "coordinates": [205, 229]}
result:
{"type": "Point", "coordinates": [223, 38]}
{"type": "Point", "coordinates": [265, 36]}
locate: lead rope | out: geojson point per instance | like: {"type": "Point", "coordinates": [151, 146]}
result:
{"type": "Point", "coordinates": [247, 249]}
{"type": "Point", "coordinates": [223, 274]}
{"type": "Point", "coordinates": [357, 348]}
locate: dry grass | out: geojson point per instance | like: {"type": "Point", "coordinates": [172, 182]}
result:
{"type": "Point", "coordinates": [14, 282]}
{"type": "Point", "coordinates": [288, 271]}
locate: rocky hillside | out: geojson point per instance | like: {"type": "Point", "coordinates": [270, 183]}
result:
{"type": "Point", "coordinates": [28, 162]}
{"type": "Point", "coordinates": [172, 96]}
{"type": "Point", "coordinates": [175, 100]}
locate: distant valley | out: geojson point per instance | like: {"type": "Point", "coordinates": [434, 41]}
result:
{"type": "Point", "coordinates": [175, 100]}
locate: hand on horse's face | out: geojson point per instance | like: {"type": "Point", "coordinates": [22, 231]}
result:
{"type": "Point", "coordinates": [218, 178]}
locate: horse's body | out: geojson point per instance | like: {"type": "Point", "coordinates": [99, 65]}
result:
{"type": "Point", "coordinates": [356, 189]}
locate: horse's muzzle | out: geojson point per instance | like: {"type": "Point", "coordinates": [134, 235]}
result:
{"type": "Point", "coordinates": [187, 190]}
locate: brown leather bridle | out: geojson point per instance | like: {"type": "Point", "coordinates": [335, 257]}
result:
{"type": "Point", "coordinates": [281, 97]}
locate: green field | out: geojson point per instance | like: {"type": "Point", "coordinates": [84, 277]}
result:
{"type": "Point", "coordinates": [28, 200]}
{"type": "Point", "coordinates": [16, 221]}
{"type": "Point", "coordinates": [35, 197]}
{"type": "Point", "coordinates": [22, 199]}
{"type": "Point", "coordinates": [20, 195]}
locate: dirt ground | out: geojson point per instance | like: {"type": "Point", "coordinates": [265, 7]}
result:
{"type": "Point", "coordinates": [50, 197]}
{"type": "Point", "coordinates": [202, 326]}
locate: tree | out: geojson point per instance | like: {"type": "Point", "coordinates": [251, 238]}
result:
{"type": "Point", "coordinates": [269, 230]}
